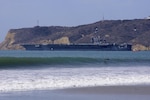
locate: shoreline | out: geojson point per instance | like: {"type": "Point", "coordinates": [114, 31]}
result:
{"type": "Point", "coordinates": [135, 92]}
{"type": "Point", "coordinates": [121, 89]}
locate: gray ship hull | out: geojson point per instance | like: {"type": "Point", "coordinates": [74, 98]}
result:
{"type": "Point", "coordinates": [79, 47]}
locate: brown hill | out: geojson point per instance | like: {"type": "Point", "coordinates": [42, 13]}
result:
{"type": "Point", "coordinates": [135, 31]}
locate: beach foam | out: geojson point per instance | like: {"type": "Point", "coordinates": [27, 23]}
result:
{"type": "Point", "coordinates": [60, 78]}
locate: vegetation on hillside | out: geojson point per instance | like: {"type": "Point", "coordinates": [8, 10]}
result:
{"type": "Point", "coordinates": [135, 31]}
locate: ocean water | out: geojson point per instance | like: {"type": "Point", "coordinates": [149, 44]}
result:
{"type": "Point", "coordinates": [50, 70]}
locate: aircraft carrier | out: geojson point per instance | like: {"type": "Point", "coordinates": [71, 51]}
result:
{"type": "Point", "coordinates": [79, 47]}
{"type": "Point", "coordinates": [97, 44]}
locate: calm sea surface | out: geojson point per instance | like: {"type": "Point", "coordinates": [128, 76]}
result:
{"type": "Point", "coordinates": [49, 70]}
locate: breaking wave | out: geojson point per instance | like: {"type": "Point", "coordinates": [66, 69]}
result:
{"type": "Point", "coordinates": [55, 78]}
{"type": "Point", "coordinates": [16, 62]}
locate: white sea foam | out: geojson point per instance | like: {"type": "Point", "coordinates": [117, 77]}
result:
{"type": "Point", "coordinates": [58, 78]}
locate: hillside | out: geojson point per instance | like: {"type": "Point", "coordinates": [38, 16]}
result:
{"type": "Point", "coordinates": [135, 31]}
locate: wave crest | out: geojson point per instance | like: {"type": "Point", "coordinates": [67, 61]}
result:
{"type": "Point", "coordinates": [13, 62]}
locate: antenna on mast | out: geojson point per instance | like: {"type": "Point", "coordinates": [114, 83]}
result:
{"type": "Point", "coordinates": [37, 22]}
{"type": "Point", "coordinates": [103, 18]}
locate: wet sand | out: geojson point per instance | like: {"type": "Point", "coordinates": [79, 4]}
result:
{"type": "Point", "coordinates": [86, 93]}
{"type": "Point", "coordinates": [133, 90]}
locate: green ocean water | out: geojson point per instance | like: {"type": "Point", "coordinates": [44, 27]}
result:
{"type": "Point", "coordinates": [12, 59]}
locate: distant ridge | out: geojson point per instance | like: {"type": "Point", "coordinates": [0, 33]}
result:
{"type": "Point", "coordinates": [135, 31]}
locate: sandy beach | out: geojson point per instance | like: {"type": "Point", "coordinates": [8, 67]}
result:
{"type": "Point", "coordinates": [86, 93]}
{"type": "Point", "coordinates": [130, 90]}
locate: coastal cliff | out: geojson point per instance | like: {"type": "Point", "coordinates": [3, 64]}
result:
{"type": "Point", "coordinates": [135, 32]}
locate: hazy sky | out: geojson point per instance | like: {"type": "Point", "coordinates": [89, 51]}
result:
{"type": "Point", "coordinates": [25, 13]}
